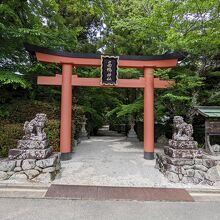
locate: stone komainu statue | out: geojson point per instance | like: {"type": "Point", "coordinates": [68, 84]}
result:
{"type": "Point", "coordinates": [182, 130]}
{"type": "Point", "coordinates": [34, 130]}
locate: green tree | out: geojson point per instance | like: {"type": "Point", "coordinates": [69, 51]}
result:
{"type": "Point", "coordinates": [190, 27]}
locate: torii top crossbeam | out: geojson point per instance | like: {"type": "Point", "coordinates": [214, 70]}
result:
{"type": "Point", "coordinates": [83, 59]}
{"type": "Point", "coordinates": [67, 80]}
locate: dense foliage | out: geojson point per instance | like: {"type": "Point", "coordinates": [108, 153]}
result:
{"type": "Point", "coordinates": [140, 27]}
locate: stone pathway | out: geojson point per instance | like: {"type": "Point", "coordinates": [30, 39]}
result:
{"type": "Point", "coordinates": [108, 161]}
{"type": "Point", "coordinates": [113, 161]}
{"type": "Point", "coordinates": [104, 131]}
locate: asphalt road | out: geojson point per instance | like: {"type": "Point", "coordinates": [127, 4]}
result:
{"type": "Point", "coordinates": [48, 209]}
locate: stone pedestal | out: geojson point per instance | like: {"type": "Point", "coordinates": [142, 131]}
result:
{"type": "Point", "coordinates": [31, 149]}
{"type": "Point", "coordinates": [183, 153]}
{"type": "Point", "coordinates": [29, 153]}
{"type": "Point", "coordinates": [132, 136]}
{"type": "Point", "coordinates": [32, 144]}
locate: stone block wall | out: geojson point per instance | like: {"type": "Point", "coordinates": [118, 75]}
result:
{"type": "Point", "coordinates": [193, 170]}
{"type": "Point", "coordinates": [36, 170]}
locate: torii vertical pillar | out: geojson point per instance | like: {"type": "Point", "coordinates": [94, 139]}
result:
{"type": "Point", "coordinates": [66, 112]}
{"type": "Point", "coordinates": [149, 114]}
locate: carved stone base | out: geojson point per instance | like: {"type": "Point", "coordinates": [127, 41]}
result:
{"type": "Point", "coordinates": [132, 136]}
{"type": "Point", "coordinates": [29, 153]}
{"type": "Point", "coordinates": [83, 134]}
{"type": "Point", "coordinates": [183, 144]}
{"type": "Point", "coordinates": [183, 153]}
{"type": "Point", "coordinates": [32, 144]}
{"type": "Point", "coordinates": [132, 139]}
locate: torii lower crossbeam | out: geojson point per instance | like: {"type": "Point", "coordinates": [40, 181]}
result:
{"type": "Point", "coordinates": [95, 82]}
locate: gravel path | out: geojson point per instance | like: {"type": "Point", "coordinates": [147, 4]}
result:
{"type": "Point", "coordinates": [113, 161]}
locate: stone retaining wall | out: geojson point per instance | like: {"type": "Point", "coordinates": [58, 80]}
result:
{"type": "Point", "coordinates": [38, 170]}
{"type": "Point", "coordinates": [205, 170]}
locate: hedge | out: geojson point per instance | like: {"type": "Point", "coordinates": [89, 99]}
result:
{"type": "Point", "coordinates": [20, 110]}
{"type": "Point", "coordinates": [9, 135]}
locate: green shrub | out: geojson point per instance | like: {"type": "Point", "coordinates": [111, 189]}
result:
{"type": "Point", "coordinates": [52, 130]}
{"type": "Point", "coordinates": [78, 119]}
{"type": "Point", "coordinates": [20, 111]}
{"type": "Point", "coordinates": [9, 135]}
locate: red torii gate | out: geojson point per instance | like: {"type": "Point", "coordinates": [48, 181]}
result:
{"type": "Point", "coordinates": [67, 80]}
